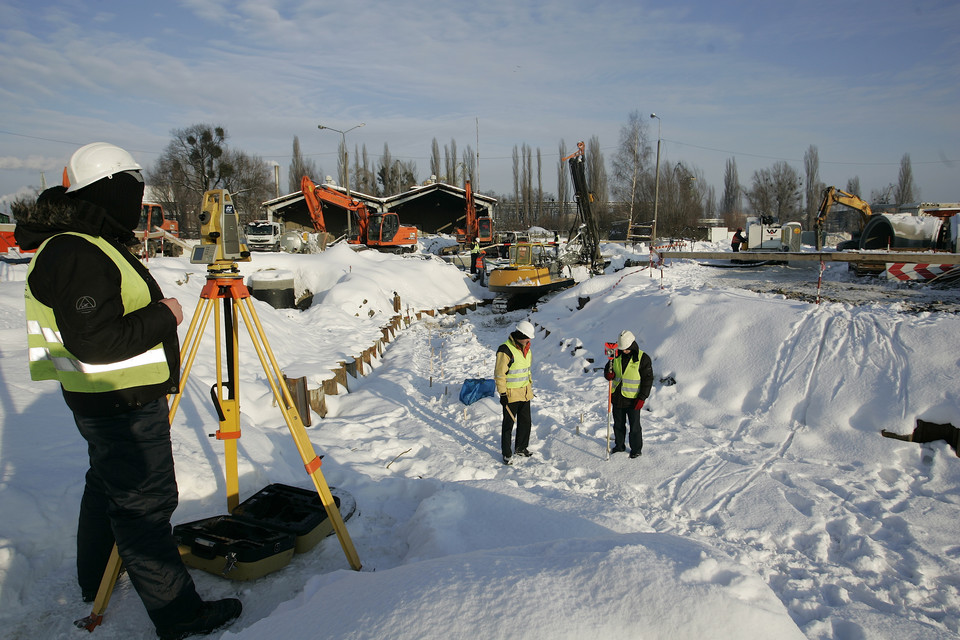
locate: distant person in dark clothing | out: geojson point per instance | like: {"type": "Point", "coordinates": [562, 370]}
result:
{"type": "Point", "coordinates": [738, 240]}
{"type": "Point", "coordinates": [631, 371]}
{"type": "Point", "coordinates": [481, 265]}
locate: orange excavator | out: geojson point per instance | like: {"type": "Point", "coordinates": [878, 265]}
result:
{"type": "Point", "coordinates": [376, 230]}
{"type": "Point", "coordinates": [476, 228]}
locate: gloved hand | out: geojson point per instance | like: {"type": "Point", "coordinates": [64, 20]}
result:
{"type": "Point", "coordinates": [503, 399]}
{"type": "Point", "coordinates": [639, 404]}
{"type": "Point", "coordinates": [608, 372]}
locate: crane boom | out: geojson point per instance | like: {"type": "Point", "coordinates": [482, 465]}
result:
{"type": "Point", "coordinates": [590, 252]}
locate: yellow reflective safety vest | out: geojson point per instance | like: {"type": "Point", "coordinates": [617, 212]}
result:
{"type": "Point", "coordinates": [628, 380]}
{"type": "Point", "coordinates": [519, 373]}
{"type": "Point", "coordinates": [51, 360]}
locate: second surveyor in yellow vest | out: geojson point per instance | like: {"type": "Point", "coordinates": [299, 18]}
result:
{"type": "Point", "coordinates": [631, 371]}
{"type": "Point", "coordinates": [514, 379]}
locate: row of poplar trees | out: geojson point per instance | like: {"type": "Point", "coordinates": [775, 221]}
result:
{"type": "Point", "coordinates": [198, 158]}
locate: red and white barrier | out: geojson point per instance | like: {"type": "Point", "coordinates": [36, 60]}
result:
{"type": "Point", "coordinates": [915, 271]}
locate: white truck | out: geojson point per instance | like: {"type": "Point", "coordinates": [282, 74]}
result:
{"type": "Point", "coordinates": [263, 235]}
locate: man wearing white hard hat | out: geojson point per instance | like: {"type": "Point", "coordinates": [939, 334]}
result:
{"type": "Point", "coordinates": [631, 371]}
{"type": "Point", "coordinates": [514, 379]}
{"type": "Point", "coordinates": [98, 323]}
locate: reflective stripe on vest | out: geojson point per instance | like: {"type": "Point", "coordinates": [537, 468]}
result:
{"type": "Point", "coordinates": [51, 360]}
{"type": "Point", "coordinates": [518, 374]}
{"type": "Point", "coordinates": [629, 380]}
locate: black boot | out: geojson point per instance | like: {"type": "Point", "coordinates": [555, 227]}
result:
{"type": "Point", "coordinates": [209, 617]}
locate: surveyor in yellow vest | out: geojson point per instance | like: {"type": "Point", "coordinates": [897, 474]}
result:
{"type": "Point", "coordinates": [514, 379]}
{"type": "Point", "coordinates": [631, 371]}
{"type": "Point", "coordinates": [98, 324]}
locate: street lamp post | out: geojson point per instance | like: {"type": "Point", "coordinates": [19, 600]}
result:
{"type": "Point", "coordinates": [656, 188]}
{"type": "Point", "coordinates": [346, 165]}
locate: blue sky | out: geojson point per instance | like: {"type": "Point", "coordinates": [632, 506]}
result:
{"type": "Point", "coordinates": [758, 82]}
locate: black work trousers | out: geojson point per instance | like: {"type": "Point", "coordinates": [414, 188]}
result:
{"type": "Point", "coordinates": [129, 497]}
{"type": "Point", "coordinates": [521, 410]}
{"type": "Point", "coordinates": [620, 417]}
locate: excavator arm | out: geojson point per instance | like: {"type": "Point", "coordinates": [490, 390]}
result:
{"type": "Point", "coordinates": [831, 196]}
{"type": "Point", "coordinates": [313, 204]}
{"type": "Point", "coordinates": [317, 195]}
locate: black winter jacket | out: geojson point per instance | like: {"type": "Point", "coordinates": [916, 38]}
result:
{"type": "Point", "coordinates": [70, 269]}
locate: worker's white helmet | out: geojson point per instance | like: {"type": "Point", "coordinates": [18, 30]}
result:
{"type": "Point", "coordinates": [625, 340]}
{"type": "Point", "coordinates": [526, 328]}
{"type": "Point", "coordinates": [96, 161]}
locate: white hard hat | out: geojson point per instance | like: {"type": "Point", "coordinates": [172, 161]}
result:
{"type": "Point", "coordinates": [625, 340]}
{"type": "Point", "coordinates": [526, 328]}
{"type": "Point", "coordinates": [95, 161]}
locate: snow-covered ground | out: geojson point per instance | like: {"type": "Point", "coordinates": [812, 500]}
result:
{"type": "Point", "coordinates": [765, 505]}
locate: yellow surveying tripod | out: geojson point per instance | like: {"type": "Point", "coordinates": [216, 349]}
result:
{"type": "Point", "coordinates": [220, 248]}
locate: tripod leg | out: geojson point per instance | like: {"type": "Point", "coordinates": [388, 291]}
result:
{"type": "Point", "coordinates": [287, 405]}
{"type": "Point", "coordinates": [229, 430]}
{"type": "Point", "coordinates": [109, 580]}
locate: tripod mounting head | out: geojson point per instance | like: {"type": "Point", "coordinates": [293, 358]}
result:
{"type": "Point", "coordinates": [221, 237]}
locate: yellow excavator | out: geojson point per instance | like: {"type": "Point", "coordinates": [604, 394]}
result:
{"type": "Point", "coordinates": [831, 196]}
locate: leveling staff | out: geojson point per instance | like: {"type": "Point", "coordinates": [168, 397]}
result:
{"type": "Point", "coordinates": [98, 323]}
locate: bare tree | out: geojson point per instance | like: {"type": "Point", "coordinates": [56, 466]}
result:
{"type": "Point", "coordinates": [539, 185]}
{"type": "Point", "coordinates": [385, 172]}
{"type": "Point", "coordinates": [905, 191]}
{"type": "Point", "coordinates": [369, 177]}
{"type": "Point", "coordinates": [250, 183]}
{"type": "Point", "coordinates": [299, 167]}
{"type": "Point", "coordinates": [596, 171]}
{"type": "Point", "coordinates": [192, 163]}
{"type": "Point", "coordinates": [731, 204]}
{"type": "Point", "coordinates": [469, 162]}
{"type": "Point", "coordinates": [811, 165]}
{"type": "Point", "coordinates": [853, 186]}
{"type": "Point", "coordinates": [563, 186]}
{"type": "Point", "coordinates": [775, 193]}
{"type": "Point", "coordinates": [630, 169]}
{"type": "Point", "coordinates": [516, 182]}
{"type": "Point", "coordinates": [450, 162]}
{"type": "Point", "coordinates": [436, 169]}
{"type": "Point", "coordinates": [528, 195]}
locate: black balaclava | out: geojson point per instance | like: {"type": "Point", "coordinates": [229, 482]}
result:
{"type": "Point", "coordinates": [121, 195]}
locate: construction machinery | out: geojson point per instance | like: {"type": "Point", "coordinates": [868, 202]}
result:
{"type": "Point", "coordinates": [373, 229]}
{"type": "Point", "coordinates": [586, 234]}
{"type": "Point", "coordinates": [476, 228]}
{"type": "Point", "coordinates": [158, 233]}
{"type": "Point", "coordinates": [831, 196]}
{"type": "Point", "coordinates": [532, 272]}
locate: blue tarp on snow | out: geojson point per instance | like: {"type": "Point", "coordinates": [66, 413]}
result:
{"type": "Point", "coordinates": [475, 388]}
